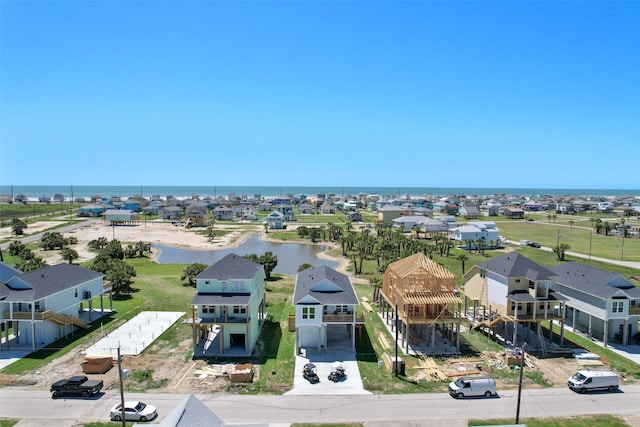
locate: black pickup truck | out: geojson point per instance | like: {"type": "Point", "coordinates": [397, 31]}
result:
{"type": "Point", "coordinates": [79, 386]}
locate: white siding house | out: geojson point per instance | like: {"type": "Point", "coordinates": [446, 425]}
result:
{"type": "Point", "coordinates": [325, 303]}
{"type": "Point", "coordinates": [47, 304]}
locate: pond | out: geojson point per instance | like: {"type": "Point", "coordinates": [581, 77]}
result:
{"type": "Point", "coordinates": [290, 255]}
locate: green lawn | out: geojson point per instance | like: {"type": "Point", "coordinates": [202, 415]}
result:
{"type": "Point", "coordinates": [591, 420]}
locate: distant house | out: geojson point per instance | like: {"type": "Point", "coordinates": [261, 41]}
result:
{"type": "Point", "coordinates": [388, 213]}
{"type": "Point", "coordinates": [408, 223]}
{"type": "Point", "coordinates": [287, 211]}
{"type": "Point", "coordinates": [120, 217]}
{"type": "Point", "coordinates": [171, 212]}
{"type": "Point", "coordinates": [228, 307]}
{"type": "Point", "coordinates": [305, 209]}
{"type": "Point", "coordinates": [47, 304]}
{"type": "Point", "coordinates": [249, 213]}
{"type": "Point", "coordinates": [469, 211]}
{"type": "Point", "coordinates": [418, 297]}
{"type": "Point", "coordinates": [275, 221]}
{"type": "Point", "coordinates": [599, 303]}
{"type": "Point", "coordinates": [325, 303]}
{"type": "Point", "coordinates": [91, 211]}
{"type": "Point", "coordinates": [513, 212]}
{"type": "Point", "coordinates": [354, 216]}
{"type": "Point", "coordinates": [515, 290]}
{"type": "Point", "coordinates": [265, 206]}
{"type": "Point", "coordinates": [328, 209]}
{"type": "Point", "coordinates": [223, 213]}
{"type": "Point", "coordinates": [475, 231]}
{"type": "Point", "coordinates": [196, 215]}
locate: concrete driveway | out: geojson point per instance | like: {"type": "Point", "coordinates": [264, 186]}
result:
{"type": "Point", "coordinates": [352, 384]}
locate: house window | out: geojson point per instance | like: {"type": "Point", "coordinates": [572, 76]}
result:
{"type": "Point", "coordinates": [618, 306]}
{"type": "Point", "coordinates": [206, 282]}
{"type": "Point", "coordinates": [239, 309]}
{"type": "Point", "coordinates": [342, 309]}
{"type": "Point", "coordinates": [36, 305]}
{"type": "Point", "coordinates": [208, 309]}
{"type": "Point", "coordinates": [76, 292]}
{"type": "Point", "coordinates": [517, 280]}
{"type": "Point", "coordinates": [308, 312]}
{"type": "Point", "coordinates": [483, 273]}
{"type": "Point", "coordinates": [513, 306]}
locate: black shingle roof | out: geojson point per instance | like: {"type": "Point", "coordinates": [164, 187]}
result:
{"type": "Point", "coordinates": [37, 284]}
{"type": "Point", "coordinates": [516, 265]}
{"type": "Point", "coordinates": [231, 266]}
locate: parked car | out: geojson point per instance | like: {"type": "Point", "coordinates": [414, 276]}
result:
{"type": "Point", "coordinates": [587, 380]}
{"type": "Point", "coordinates": [534, 244]}
{"type": "Point", "coordinates": [78, 386]}
{"type": "Point", "coordinates": [134, 411]}
{"type": "Point", "coordinates": [473, 387]}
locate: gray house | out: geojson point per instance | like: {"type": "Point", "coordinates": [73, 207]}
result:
{"type": "Point", "coordinates": [599, 303]}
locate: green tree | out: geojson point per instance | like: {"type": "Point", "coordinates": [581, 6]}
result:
{"type": "Point", "coordinates": [269, 261]}
{"type": "Point", "coordinates": [18, 226]}
{"type": "Point", "coordinates": [52, 240]}
{"type": "Point", "coordinates": [304, 266]}
{"type": "Point", "coordinates": [114, 250]}
{"type": "Point", "coordinates": [69, 255]}
{"type": "Point", "coordinates": [98, 244]}
{"type": "Point", "coordinates": [192, 271]}
{"type": "Point", "coordinates": [561, 250]}
{"type": "Point", "coordinates": [16, 248]}
{"type": "Point", "coordinates": [463, 258]}
{"type": "Point", "coordinates": [119, 275]}
{"type": "Point", "coordinates": [31, 264]}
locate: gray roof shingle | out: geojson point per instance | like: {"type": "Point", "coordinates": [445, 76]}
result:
{"type": "Point", "coordinates": [309, 278]}
{"type": "Point", "coordinates": [593, 281]}
{"type": "Point", "coordinates": [231, 266]}
{"type": "Point", "coordinates": [516, 265]}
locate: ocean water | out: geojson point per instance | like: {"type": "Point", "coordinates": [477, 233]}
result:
{"type": "Point", "coordinates": [126, 191]}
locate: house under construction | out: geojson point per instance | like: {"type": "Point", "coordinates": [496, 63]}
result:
{"type": "Point", "coordinates": [418, 297]}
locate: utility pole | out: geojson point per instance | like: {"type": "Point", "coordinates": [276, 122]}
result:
{"type": "Point", "coordinates": [520, 383]}
{"type": "Point", "coordinates": [124, 422]}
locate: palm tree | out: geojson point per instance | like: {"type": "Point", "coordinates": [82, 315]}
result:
{"type": "Point", "coordinates": [571, 223]}
{"type": "Point", "coordinates": [69, 254]}
{"type": "Point", "coordinates": [463, 258]}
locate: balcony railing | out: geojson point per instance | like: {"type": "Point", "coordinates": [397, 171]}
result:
{"type": "Point", "coordinates": [220, 320]}
{"type": "Point", "coordinates": [62, 319]}
{"type": "Point", "coordinates": [342, 318]}
{"type": "Point", "coordinates": [634, 310]}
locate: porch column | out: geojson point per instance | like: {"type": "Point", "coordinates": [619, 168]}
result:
{"type": "Point", "coordinates": [589, 330]}
{"type": "Point", "coordinates": [625, 332]}
{"type": "Point", "coordinates": [33, 335]}
{"type": "Point", "coordinates": [573, 324]}
{"type": "Point", "coordinates": [320, 340]}
{"type": "Point", "coordinates": [550, 330]}
{"type": "Point", "coordinates": [458, 336]}
{"type": "Point", "coordinates": [353, 338]}
{"type": "Point", "coordinates": [605, 336]}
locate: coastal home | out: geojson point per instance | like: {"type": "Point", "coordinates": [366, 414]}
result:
{"type": "Point", "coordinates": [469, 211]}
{"type": "Point", "coordinates": [515, 290]}
{"type": "Point", "coordinates": [408, 223]}
{"type": "Point", "coordinates": [91, 211]}
{"type": "Point", "coordinates": [223, 213]}
{"type": "Point", "coordinates": [474, 231]}
{"type": "Point", "coordinates": [421, 295]}
{"type": "Point", "coordinates": [354, 216]}
{"type": "Point", "coordinates": [120, 217]}
{"type": "Point", "coordinates": [287, 211]}
{"type": "Point", "coordinates": [196, 215]}
{"type": "Point", "coordinates": [249, 213]}
{"type": "Point", "coordinates": [47, 304]}
{"type": "Point", "coordinates": [328, 208]}
{"type": "Point", "coordinates": [305, 208]}
{"type": "Point", "coordinates": [228, 308]}
{"type": "Point", "coordinates": [170, 212]}
{"type": "Point", "coordinates": [388, 213]}
{"type": "Point", "coordinates": [513, 212]}
{"type": "Point", "coordinates": [275, 221]}
{"type": "Point", "coordinates": [599, 303]}
{"type": "Point", "coordinates": [325, 303]}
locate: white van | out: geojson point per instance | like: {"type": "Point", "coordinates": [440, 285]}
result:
{"type": "Point", "coordinates": [588, 380]}
{"type": "Point", "coordinates": [473, 387]}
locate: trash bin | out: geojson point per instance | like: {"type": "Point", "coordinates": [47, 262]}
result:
{"type": "Point", "coordinates": [399, 367]}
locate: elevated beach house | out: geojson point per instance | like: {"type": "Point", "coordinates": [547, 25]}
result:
{"type": "Point", "coordinates": [512, 290]}
{"type": "Point", "coordinates": [599, 303]}
{"type": "Point", "coordinates": [419, 298]}
{"type": "Point", "coordinates": [325, 303]}
{"type": "Point", "coordinates": [228, 308]}
{"type": "Point", "coordinates": [49, 303]}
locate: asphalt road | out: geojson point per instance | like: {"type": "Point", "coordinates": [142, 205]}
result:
{"type": "Point", "coordinates": [392, 408]}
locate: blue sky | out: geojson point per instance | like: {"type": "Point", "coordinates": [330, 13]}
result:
{"type": "Point", "coordinates": [420, 93]}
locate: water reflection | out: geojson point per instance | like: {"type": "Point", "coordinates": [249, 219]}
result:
{"type": "Point", "coordinates": [290, 255]}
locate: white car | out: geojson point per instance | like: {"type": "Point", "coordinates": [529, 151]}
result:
{"type": "Point", "coordinates": [134, 411]}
